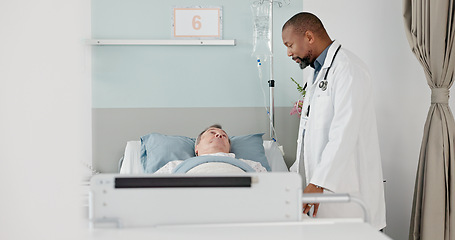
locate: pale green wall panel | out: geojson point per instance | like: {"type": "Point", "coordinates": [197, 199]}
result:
{"type": "Point", "coordinates": [184, 76]}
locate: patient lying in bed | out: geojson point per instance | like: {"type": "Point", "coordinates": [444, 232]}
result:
{"type": "Point", "coordinates": [212, 156]}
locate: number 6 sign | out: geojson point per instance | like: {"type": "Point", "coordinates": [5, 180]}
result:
{"type": "Point", "coordinates": [197, 23]}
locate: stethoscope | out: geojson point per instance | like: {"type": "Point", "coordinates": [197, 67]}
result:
{"type": "Point", "coordinates": [323, 83]}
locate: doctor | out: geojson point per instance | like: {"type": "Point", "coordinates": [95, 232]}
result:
{"type": "Point", "coordinates": [338, 140]}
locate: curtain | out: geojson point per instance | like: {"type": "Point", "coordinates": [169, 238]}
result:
{"type": "Point", "coordinates": [429, 25]}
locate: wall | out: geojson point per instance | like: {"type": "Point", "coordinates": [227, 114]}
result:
{"type": "Point", "coordinates": [45, 117]}
{"type": "Point", "coordinates": [374, 30]}
{"type": "Point", "coordinates": [184, 76]}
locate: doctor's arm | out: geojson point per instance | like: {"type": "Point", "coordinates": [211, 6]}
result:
{"type": "Point", "coordinates": [336, 169]}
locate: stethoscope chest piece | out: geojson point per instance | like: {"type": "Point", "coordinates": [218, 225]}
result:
{"type": "Point", "coordinates": [323, 85]}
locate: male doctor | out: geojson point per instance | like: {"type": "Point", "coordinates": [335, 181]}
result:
{"type": "Point", "coordinates": [338, 140]}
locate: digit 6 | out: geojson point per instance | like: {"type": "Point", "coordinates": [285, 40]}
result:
{"type": "Point", "coordinates": [197, 24]}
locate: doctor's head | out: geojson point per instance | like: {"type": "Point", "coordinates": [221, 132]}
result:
{"type": "Point", "coordinates": [305, 38]}
{"type": "Point", "coordinates": [212, 140]}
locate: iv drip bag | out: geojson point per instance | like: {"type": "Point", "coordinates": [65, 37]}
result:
{"type": "Point", "coordinates": [262, 32]}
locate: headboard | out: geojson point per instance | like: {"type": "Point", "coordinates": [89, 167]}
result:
{"type": "Point", "coordinates": [113, 127]}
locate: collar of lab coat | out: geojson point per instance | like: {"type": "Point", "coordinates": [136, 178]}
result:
{"type": "Point", "coordinates": [331, 54]}
{"type": "Point", "coordinates": [327, 63]}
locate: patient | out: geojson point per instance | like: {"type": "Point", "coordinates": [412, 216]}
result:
{"type": "Point", "coordinates": [212, 141]}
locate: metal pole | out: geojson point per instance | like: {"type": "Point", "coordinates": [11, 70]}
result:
{"type": "Point", "coordinates": [335, 198]}
{"type": "Point", "coordinates": [272, 109]}
{"type": "Point", "coordinates": [272, 81]}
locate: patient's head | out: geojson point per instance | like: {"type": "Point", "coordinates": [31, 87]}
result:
{"type": "Point", "coordinates": [212, 140]}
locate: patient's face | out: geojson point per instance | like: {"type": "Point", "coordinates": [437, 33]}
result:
{"type": "Point", "coordinates": [213, 140]}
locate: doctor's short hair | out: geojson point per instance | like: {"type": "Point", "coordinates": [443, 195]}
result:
{"type": "Point", "coordinates": [305, 21]}
{"type": "Point", "coordinates": [198, 139]}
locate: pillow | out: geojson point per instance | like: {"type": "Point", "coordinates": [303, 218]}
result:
{"type": "Point", "coordinates": [159, 149]}
{"type": "Point", "coordinates": [165, 148]}
{"type": "Point", "coordinates": [250, 147]}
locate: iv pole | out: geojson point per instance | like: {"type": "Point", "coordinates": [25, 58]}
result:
{"type": "Point", "coordinates": [271, 82]}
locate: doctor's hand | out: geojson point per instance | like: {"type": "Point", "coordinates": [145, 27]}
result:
{"type": "Point", "coordinates": [311, 188]}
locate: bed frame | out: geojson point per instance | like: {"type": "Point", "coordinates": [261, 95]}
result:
{"type": "Point", "coordinates": [154, 200]}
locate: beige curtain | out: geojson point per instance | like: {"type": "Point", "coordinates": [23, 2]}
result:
{"type": "Point", "coordinates": [430, 30]}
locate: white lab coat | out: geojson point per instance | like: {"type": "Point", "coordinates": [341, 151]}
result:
{"type": "Point", "coordinates": [341, 149]}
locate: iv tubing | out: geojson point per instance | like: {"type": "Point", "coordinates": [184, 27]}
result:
{"type": "Point", "coordinates": [272, 127]}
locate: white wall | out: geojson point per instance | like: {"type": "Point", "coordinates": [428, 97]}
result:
{"type": "Point", "coordinates": [45, 120]}
{"type": "Point", "coordinates": [374, 30]}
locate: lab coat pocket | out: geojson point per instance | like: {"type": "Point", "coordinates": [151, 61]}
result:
{"type": "Point", "coordinates": [322, 111]}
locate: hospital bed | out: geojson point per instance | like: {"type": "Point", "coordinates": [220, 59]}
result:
{"type": "Point", "coordinates": [233, 206]}
{"type": "Point", "coordinates": [136, 205]}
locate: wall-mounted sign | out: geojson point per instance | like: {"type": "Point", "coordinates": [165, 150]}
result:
{"type": "Point", "coordinates": [194, 22]}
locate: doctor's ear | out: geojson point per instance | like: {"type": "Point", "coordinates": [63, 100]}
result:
{"type": "Point", "coordinates": [310, 36]}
